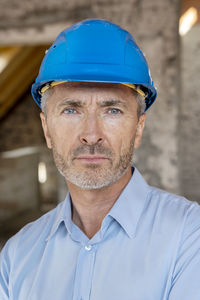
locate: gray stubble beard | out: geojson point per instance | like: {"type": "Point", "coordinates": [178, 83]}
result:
{"type": "Point", "coordinates": [94, 176]}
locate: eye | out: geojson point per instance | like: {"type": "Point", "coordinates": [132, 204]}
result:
{"type": "Point", "coordinates": [114, 111]}
{"type": "Point", "coordinates": [70, 111]}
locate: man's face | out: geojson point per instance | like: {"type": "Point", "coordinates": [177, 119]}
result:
{"type": "Point", "coordinates": [92, 129]}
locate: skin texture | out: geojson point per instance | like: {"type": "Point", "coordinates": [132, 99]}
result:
{"type": "Point", "coordinates": [92, 129]}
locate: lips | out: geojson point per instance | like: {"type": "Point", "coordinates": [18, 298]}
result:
{"type": "Point", "coordinates": [92, 158]}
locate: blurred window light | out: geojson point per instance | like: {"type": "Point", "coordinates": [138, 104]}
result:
{"type": "Point", "coordinates": [42, 172]}
{"type": "Point", "coordinates": [6, 54]}
{"type": "Point", "coordinates": [187, 20]}
{"type": "Point", "coordinates": [3, 63]}
{"type": "Point", "coordinates": [19, 152]}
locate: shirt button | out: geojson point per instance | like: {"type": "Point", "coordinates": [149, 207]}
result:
{"type": "Point", "coordinates": [88, 247]}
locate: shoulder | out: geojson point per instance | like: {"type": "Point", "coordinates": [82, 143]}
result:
{"type": "Point", "coordinates": [170, 200]}
{"type": "Point", "coordinates": [32, 233]}
{"type": "Point", "coordinates": [25, 247]}
{"type": "Point", "coordinates": [41, 226]}
{"type": "Point", "coordinates": [173, 209]}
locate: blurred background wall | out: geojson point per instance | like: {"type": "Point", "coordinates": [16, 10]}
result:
{"type": "Point", "coordinates": [168, 31]}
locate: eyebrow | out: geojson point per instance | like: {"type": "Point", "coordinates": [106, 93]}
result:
{"type": "Point", "coordinates": [71, 102]}
{"type": "Point", "coordinates": [112, 102]}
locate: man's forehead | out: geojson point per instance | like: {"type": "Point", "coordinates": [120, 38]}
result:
{"type": "Point", "coordinates": [76, 85]}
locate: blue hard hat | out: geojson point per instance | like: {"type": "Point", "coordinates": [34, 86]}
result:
{"type": "Point", "coordinates": [95, 50]}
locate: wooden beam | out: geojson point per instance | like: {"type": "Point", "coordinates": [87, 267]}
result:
{"type": "Point", "coordinates": [16, 78]}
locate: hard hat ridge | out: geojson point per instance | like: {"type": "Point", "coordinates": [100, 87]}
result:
{"type": "Point", "coordinates": [95, 50]}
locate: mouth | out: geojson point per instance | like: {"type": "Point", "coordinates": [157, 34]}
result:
{"type": "Point", "coordinates": [94, 159]}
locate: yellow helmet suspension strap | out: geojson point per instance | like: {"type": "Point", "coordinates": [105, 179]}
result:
{"type": "Point", "coordinates": [54, 83]}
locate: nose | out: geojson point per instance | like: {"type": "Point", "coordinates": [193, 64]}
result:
{"type": "Point", "coordinates": [91, 131]}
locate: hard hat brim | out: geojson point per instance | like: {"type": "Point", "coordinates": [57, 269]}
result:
{"type": "Point", "coordinates": [92, 73]}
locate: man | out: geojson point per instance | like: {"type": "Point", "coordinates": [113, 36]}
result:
{"type": "Point", "coordinates": [114, 236]}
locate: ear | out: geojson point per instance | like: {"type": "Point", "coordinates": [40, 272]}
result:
{"type": "Point", "coordinates": [45, 130]}
{"type": "Point", "coordinates": [139, 130]}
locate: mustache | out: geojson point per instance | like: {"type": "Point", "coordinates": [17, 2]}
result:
{"type": "Point", "coordinates": [92, 149]}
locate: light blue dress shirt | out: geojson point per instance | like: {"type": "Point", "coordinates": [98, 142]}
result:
{"type": "Point", "coordinates": [148, 248]}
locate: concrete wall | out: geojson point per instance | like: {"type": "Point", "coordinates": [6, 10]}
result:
{"type": "Point", "coordinates": [19, 168]}
{"type": "Point", "coordinates": [189, 125]}
{"type": "Point", "coordinates": [21, 127]}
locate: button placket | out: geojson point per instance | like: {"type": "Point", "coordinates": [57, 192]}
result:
{"type": "Point", "coordinates": [84, 272]}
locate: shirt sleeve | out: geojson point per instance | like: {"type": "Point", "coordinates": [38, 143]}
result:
{"type": "Point", "coordinates": [186, 275]}
{"type": "Point", "coordinates": [5, 256]}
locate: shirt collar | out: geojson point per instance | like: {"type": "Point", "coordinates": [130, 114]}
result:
{"type": "Point", "coordinates": [63, 214]}
{"type": "Point", "coordinates": [126, 211]}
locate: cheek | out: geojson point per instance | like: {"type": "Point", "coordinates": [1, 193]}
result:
{"type": "Point", "coordinates": [121, 134]}
{"type": "Point", "coordinates": [63, 135]}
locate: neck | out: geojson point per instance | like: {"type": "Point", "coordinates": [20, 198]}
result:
{"type": "Point", "coordinates": [89, 207]}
